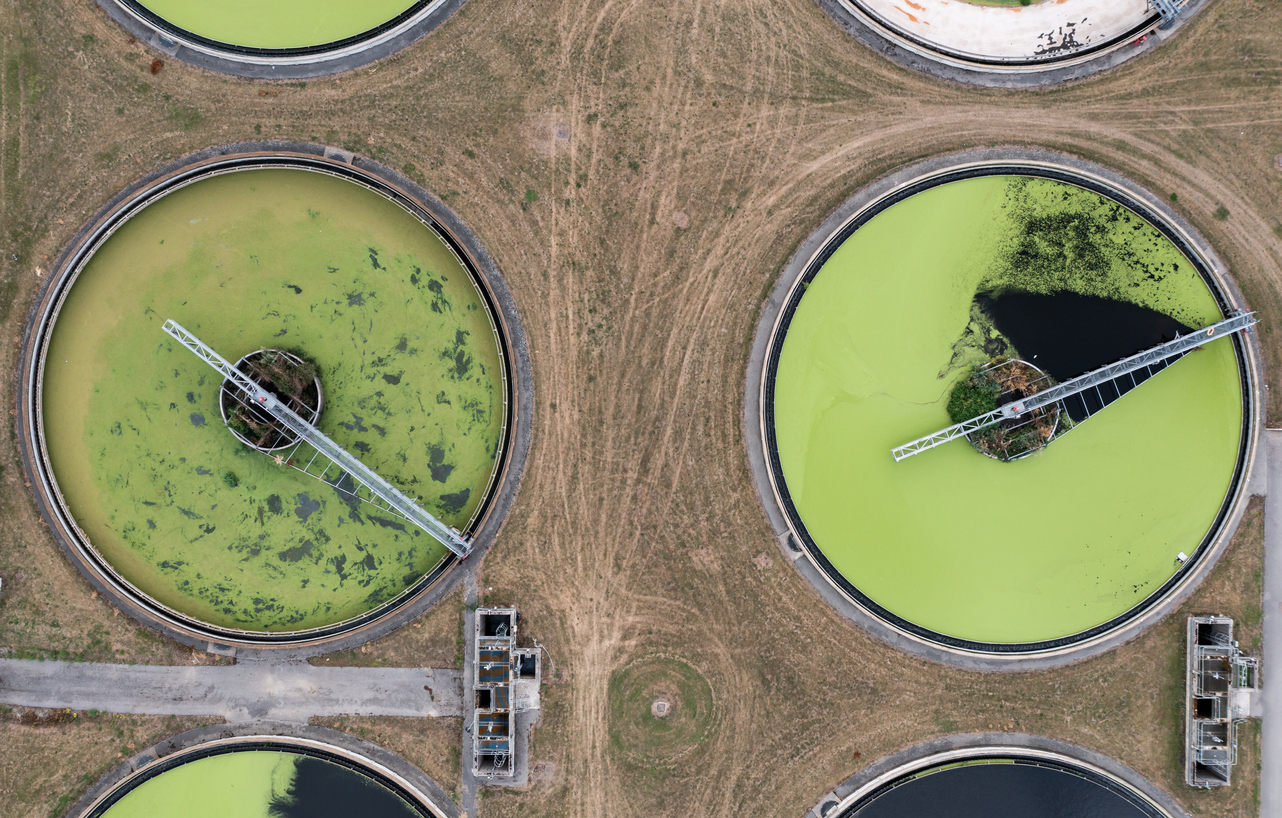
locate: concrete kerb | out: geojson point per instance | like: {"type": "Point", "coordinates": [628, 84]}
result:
{"type": "Point", "coordinates": [182, 46]}
{"type": "Point", "coordinates": [972, 745]}
{"type": "Point", "coordinates": [383, 763]}
{"type": "Point", "coordinates": [503, 490]}
{"type": "Point", "coordinates": [790, 541]}
{"type": "Point", "coordinates": [909, 54]}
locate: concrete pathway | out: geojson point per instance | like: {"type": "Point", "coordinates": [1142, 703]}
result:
{"type": "Point", "coordinates": [253, 690]}
{"type": "Point", "coordinates": [1271, 663]}
{"type": "Point", "coordinates": [1050, 28]}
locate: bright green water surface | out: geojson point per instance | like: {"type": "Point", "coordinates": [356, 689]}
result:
{"type": "Point", "coordinates": [953, 540]}
{"type": "Point", "coordinates": [277, 23]}
{"type": "Point", "coordinates": [265, 258]}
{"type": "Point", "coordinates": [232, 784]}
{"type": "Point", "coordinates": [259, 784]}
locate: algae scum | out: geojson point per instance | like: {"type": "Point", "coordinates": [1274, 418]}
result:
{"type": "Point", "coordinates": [261, 784]}
{"type": "Point", "coordinates": [261, 259]}
{"type": "Point", "coordinates": [951, 540]}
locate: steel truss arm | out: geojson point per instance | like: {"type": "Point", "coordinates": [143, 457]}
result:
{"type": "Point", "coordinates": [358, 471]}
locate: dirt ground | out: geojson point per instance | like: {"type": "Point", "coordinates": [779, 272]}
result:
{"type": "Point", "coordinates": [641, 173]}
{"type": "Point", "coordinates": [435, 639]}
{"type": "Point", "coordinates": [432, 745]}
{"type": "Point", "coordinates": [51, 757]}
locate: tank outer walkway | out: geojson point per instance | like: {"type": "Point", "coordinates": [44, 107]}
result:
{"type": "Point", "coordinates": [247, 691]}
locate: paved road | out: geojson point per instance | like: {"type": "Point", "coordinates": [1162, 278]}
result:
{"type": "Point", "coordinates": [292, 691]}
{"type": "Point", "coordinates": [1271, 670]}
{"type": "Point", "coordinates": [467, 784]}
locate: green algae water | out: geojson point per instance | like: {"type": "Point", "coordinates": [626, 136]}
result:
{"type": "Point", "coordinates": [260, 784]}
{"type": "Point", "coordinates": [276, 23]}
{"type": "Point", "coordinates": [957, 542]}
{"type": "Point", "coordinates": [254, 259]}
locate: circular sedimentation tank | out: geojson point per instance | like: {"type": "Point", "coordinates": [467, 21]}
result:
{"type": "Point", "coordinates": [965, 551]}
{"type": "Point", "coordinates": [258, 779]}
{"type": "Point", "coordinates": [151, 489]}
{"type": "Point", "coordinates": [1006, 42]}
{"type": "Point", "coordinates": [1014, 783]}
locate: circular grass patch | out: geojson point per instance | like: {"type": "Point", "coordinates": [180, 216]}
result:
{"type": "Point", "coordinates": [645, 739]}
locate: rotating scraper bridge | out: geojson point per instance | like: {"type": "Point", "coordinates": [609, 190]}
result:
{"type": "Point", "coordinates": [1156, 357]}
{"type": "Point", "coordinates": [350, 474]}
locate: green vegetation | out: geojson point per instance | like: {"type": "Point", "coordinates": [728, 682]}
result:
{"type": "Point", "coordinates": [637, 736]}
{"type": "Point", "coordinates": [973, 396]}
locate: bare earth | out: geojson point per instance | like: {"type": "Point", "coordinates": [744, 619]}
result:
{"type": "Point", "coordinates": [679, 152]}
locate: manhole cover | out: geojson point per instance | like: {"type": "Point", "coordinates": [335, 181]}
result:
{"type": "Point", "coordinates": [659, 709]}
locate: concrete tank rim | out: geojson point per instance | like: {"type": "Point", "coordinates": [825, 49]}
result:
{"type": "Point", "coordinates": [871, 618]}
{"type": "Point", "coordinates": [910, 52]}
{"type": "Point", "coordinates": [973, 746]}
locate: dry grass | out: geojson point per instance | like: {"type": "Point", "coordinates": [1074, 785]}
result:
{"type": "Point", "coordinates": [435, 639]}
{"type": "Point", "coordinates": [45, 768]}
{"type": "Point", "coordinates": [432, 745]}
{"type": "Point", "coordinates": [679, 152]}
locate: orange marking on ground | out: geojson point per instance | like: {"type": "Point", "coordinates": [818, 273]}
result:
{"type": "Point", "coordinates": [910, 17]}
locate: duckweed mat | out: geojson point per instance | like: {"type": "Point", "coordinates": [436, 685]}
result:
{"type": "Point", "coordinates": [257, 259]}
{"type": "Point", "coordinates": [261, 784]}
{"type": "Point", "coordinates": [951, 540]}
{"type": "Point", "coordinates": [276, 23]}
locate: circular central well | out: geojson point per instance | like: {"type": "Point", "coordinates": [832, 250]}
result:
{"type": "Point", "coordinates": [965, 549]}
{"type": "Point", "coordinates": [266, 259]}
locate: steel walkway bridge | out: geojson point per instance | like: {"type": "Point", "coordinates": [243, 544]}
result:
{"type": "Point", "coordinates": [1141, 360]}
{"type": "Point", "coordinates": [351, 476]}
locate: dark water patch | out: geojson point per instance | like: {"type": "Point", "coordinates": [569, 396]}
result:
{"type": "Point", "coordinates": [306, 506]}
{"type": "Point", "coordinates": [381, 431]}
{"type": "Point", "coordinates": [393, 379]}
{"type": "Point", "coordinates": [274, 504]}
{"type": "Point", "coordinates": [191, 397]}
{"type": "Point", "coordinates": [1067, 334]}
{"type": "Point", "coordinates": [355, 299]}
{"type": "Point", "coordinates": [321, 789]}
{"type": "Point", "coordinates": [385, 522]}
{"type": "Point", "coordinates": [297, 289]}
{"type": "Point", "coordinates": [189, 514]}
{"type": "Point", "coordinates": [151, 524]}
{"type": "Point", "coordinates": [436, 463]}
{"type": "Point", "coordinates": [339, 562]}
{"type": "Point", "coordinates": [303, 549]}
{"type": "Point", "coordinates": [373, 259]}
{"type": "Point", "coordinates": [361, 446]}
{"type": "Point", "coordinates": [202, 471]}
{"type": "Point", "coordinates": [357, 424]}
{"type": "Point", "coordinates": [458, 356]}
{"type": "Point", "coordinates": [454, 503]}
{"type": "Point", "coordinates": [171, 565]}
{"type": "Point", "coordinates": [1007, 790]}
{"type": "Point", "coordinates": [345, 488]}
{"type": "Point", "coordinates": [197, 419]}
{"type": "Point", "coordinates": [402, 344]}
{"type": "Point", "coordinates": [442, 398]}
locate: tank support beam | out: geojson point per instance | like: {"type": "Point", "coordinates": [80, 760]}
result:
{"type": "Point", "coordinates": [1181, 345]}
{"type": "Point", "coordinates": [262, 399]}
